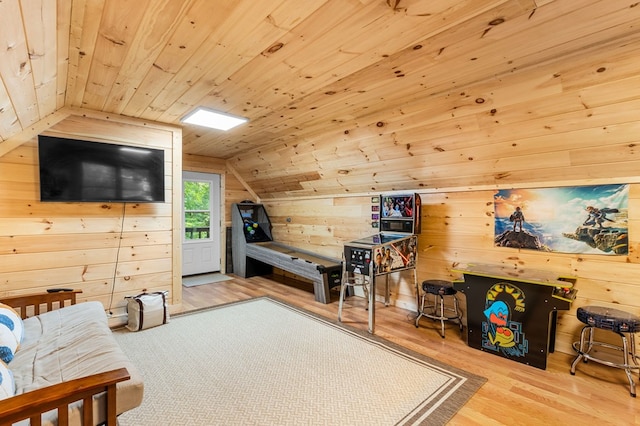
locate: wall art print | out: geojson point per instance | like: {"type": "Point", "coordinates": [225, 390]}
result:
{"type": "Point", "coordinates": [582, 219]}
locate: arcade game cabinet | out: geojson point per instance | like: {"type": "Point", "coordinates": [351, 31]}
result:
{"type": "Point", "coordinates": [255, 252]}
{"type": "Point", "coordinates": [250, 224]}
{"type": "Point", "coordinates": [394, 249]}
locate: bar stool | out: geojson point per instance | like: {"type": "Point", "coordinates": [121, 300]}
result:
{"type": "Point", "coordinates": [440, 290]}
{"type": "Point", "coordinates": [624, 324]}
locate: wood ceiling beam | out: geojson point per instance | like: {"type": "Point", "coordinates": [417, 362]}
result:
{"type": "Point", "coordinates": [32, 131]}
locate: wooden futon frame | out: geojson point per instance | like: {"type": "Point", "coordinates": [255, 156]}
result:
{"type": "Point", "coordinates": [31, 405]}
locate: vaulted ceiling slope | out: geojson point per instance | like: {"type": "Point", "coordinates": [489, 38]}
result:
{"type": "Point", "coordinates": [347, 96]}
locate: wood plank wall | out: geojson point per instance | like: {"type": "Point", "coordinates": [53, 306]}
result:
{"type": "Point", "coordinates": [76, 245]}
{"type": "Point", "coordinates": [108, 250]}
{"type": "Point", "coordinates": [458, 227]}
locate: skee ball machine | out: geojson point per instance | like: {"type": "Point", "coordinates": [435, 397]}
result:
{"type": "Point", "coordinates": [255, 252]}
{"type": "Point", "coordinates": [393, 249]}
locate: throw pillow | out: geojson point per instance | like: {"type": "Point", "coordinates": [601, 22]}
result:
{"type": "Point", "coordinates": [11, 319]}
{"type": "Point", "coordinates": [7, 384]}
{"type": "Point", "coordinates": [8, 344]}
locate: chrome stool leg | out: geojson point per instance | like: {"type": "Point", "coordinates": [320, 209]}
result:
{"type": "Point", "coordinates": [580, 348]}
{"type": "Point", "coordinates": [421, 313]}
{"type": "Point", "coordinates": [627, 370]}
{"type": "Point", "coordinates": [442, 317]}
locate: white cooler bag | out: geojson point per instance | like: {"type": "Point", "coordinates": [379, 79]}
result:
{"type": "Point", "coordinates": [147, 310]}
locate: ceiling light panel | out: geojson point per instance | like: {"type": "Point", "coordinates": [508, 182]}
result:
{"type": "Point", "coordinates": [213, 119]}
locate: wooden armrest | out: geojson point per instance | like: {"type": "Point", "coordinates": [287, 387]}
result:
{"type": "Point", "coordinates": [31, 405]}
{"type": "Point", "coordinates": [32, 302]}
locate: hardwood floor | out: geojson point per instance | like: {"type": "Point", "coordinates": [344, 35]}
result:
{"type": "Point", "coordinates": [515, 394]}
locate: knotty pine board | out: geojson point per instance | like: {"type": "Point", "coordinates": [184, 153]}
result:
{"type": "Point", "coordinates": [157, 26]}
{"type": "Point", "coordinates": [231, 47]}
{"type": "Point", "coordinates": [83, 33]}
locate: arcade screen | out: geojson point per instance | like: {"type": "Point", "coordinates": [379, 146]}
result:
{"type": "Point", "coordinates": [254, 224]}
{"type": "Point", "coordinates": [400, 206]}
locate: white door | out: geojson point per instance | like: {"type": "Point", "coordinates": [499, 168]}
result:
{"type": "Point", "coordinates": [201, 223]}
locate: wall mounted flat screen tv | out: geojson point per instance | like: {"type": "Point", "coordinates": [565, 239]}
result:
{"type": "Point", "coordinates": [81, 171]}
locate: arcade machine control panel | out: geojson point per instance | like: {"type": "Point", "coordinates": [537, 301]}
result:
{"type": "Point", "coordinates": [358, 260]}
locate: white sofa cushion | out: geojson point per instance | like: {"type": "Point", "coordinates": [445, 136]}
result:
{"type": "Point", "coordinates": [71, 343]}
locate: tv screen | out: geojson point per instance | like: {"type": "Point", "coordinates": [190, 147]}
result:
{"type": "Point", "coordinates": [75, 170]}
{"type": "Point", "coordinates": [397, 206]}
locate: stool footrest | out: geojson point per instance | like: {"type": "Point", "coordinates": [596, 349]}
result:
{"type": "Point", "coordinates": [436, 315]}
{"type": "Point", "coordinates": [606, 357]}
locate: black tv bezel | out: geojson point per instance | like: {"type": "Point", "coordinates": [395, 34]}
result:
{"type": "Point", "coordinates": [158, 195]}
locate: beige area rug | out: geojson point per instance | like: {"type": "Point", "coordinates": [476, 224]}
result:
{"type": "Point", "coordinates": [194, 280]}
{"type": "Point", "coordinates": [263, 362]}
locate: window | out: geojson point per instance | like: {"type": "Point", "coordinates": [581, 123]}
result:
{"type": "Point", "coordinates": [197, 210]}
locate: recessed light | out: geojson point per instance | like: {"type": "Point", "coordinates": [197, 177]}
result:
{"type": "Point", "coordinates": [213, 119]}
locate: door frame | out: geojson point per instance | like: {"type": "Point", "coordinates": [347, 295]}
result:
{"type": "Point", "coordinates": [218, 208]}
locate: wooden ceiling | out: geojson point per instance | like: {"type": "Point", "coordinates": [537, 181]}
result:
{"type": "Point", "coordinates": [346, 96]}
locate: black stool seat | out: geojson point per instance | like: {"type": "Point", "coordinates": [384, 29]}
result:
{"type": "Point", "coordinates": [438, 287]}
{"type": "Point", "coordinates": [609, 319]}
